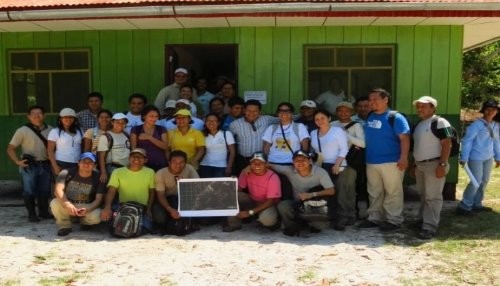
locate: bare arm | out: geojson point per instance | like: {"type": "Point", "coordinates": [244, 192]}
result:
{"type": "Point", "coordinates": [230, 161]}
{"type": "Point", "coordinates": [11, 152]}
{"type": "Point", "coordinates": [405, 149]}
{"type": "Point", "coordinates": [445, 155]}
{"type": "Point", "coordinates": [106, 212]}
{"type": "Point", "coordinates": [162, 200]}
{"type": "Point", "coordinates": [133, 140]}
{"type": "Point", "coordinates": [87, 145]}
{"type": "Point", "coordinates": [304, 144]}
{"type": "Point", "coordinates": [51, 149]}
{"type": "Point", "coordinates": [266, 147]}
{"type": "Point", "coordinates": [325, 192]}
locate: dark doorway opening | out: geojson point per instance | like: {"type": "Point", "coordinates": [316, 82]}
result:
{"type": "Point", "coordinates": [203, 60]}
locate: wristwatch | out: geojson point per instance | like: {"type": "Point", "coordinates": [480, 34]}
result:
{"type": "Point", "coordinates": [251, 212]}
{"type": "Point", "coordinates": [443, 164]}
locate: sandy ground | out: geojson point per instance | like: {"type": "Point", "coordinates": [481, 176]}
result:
{"type": "Point", "coordinates": [33, 254]}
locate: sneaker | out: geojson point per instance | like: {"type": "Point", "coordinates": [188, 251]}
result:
{"type": "Point", "coordinates": [230, 228]}
{"type": "Point", "coordinates": [482, 209]}
{"type": "Point", "coordinates": [367, 224]}
{"type": "Point", "coordinates": [462, 212]}
{"type": "Point", "coordinates": [426, 234]}
{"type": "Point", "coordinates": [387, 226]}
{"type": "Point", "coordinates": [63, 231]}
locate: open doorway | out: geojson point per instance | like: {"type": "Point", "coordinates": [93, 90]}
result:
{"type": "Point", "coordinates": [211, 61]}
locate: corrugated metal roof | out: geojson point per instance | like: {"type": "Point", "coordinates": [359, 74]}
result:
{"type": "Point", "coordinates": [48, 4]}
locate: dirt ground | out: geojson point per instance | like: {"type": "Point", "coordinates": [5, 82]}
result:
{"type": "Point", "coordinates": [32, 254]}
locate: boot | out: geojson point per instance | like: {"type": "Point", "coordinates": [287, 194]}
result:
{"type": "Point", "coordinates": [43, 208]}
{"type": "Point", "coordinates": [30, 206]}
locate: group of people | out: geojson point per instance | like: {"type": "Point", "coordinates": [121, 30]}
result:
{"type": "Point", "coordinates": [287, 164]}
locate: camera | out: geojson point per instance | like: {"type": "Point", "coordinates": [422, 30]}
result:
{"type": "Point", "coordinates": [30, 159]}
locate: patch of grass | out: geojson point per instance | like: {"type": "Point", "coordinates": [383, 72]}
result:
{"type": "Point", "coordinates": [307, 277]}
{"type": "Point", "coordinates": [10, 282]}
{"type": "Point", "coordinates": [165, 281]}
{"type": "Point", "coordinates": [63, 280]}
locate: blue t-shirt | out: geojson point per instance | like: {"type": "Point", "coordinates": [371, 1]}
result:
{"type": "Point", "coordinates": [382, 140]}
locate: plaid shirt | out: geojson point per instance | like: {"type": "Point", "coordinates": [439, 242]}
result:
{"type": "Point", "coordinates": [86, 119]}
{"type": "Point", "coordinates": [249, 136]}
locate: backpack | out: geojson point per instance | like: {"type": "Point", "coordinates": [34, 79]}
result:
{"type": "Point", "coordinates": [392, 117]}
{"type": "Point", "coordinates": [455, 141]}
{"type": "Point", "coordinates": [127, 221]}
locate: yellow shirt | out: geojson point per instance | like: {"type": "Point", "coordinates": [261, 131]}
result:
{"type": "Point", "coordinates": [187, 142]}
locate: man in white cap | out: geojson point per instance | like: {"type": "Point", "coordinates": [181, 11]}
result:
{"type": "Point", "coordinates": [431, 152]}
{"type": "Point", "coordinates": [172, 91]}
{"type": "Point", "coordinates": [307, 109]}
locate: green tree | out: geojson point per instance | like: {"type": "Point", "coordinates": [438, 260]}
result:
{"type": "Point", "coordinates": [481, 75]}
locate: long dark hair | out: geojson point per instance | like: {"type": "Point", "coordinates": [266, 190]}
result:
{"type": "Point", "coordinates": [73, 128]}
{"type": "Point", "coordinates": [205, 129]}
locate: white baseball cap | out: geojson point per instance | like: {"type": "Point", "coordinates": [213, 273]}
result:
{"type": "Point", "coordinates": [308, 103]}
{"type": "Point", "coordinates": [170, 103]}
{"type": "Point", "coordinates": [426, 99]}
{"type": "Point", "coordinates": [181, 70]}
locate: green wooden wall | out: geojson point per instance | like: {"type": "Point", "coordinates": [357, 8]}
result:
{"type": "Point", "coordinates": [428, 61]}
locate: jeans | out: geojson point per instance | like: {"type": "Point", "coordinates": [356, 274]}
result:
{"type": "Point", "coordinates": [212, 172]}
{"type": "Point", "coordinates": [473, 197]}
{"type": "Point", "coordinates": [36, 180]}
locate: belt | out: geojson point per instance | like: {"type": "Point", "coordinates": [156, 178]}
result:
{"type": "Point", "coordinates": [42, 162]}
{"type": "Point", "coordinates": [429, 160]}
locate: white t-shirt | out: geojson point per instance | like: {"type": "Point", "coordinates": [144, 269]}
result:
{"type": "Point", "coordinates": [216, 154]}
{"type": "Point", "coordinates": [355, 133]}
{"type": "Point", "coordinates": [68, 147]}
{"type": "Point", "coordinates": [133, 120]}
{"type": "Point", "coordinates": [120, 150]}
{"type": "Point", "coordinates": [427, 145]}
{"type": "Point", "coordinates": [333, 144]}
{"type": "Point", "coordinates": [279, 152]}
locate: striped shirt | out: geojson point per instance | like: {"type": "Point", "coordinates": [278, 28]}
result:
{"type": "Point", "coordinates": [249, 136]}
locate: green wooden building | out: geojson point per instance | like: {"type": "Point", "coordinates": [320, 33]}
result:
{"type": "Point", "coordinates": [54, 52]}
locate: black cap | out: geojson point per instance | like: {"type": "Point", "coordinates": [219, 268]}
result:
{"type": "Point", "coordinates": [489, 103]}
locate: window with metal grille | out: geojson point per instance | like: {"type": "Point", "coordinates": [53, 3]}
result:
{"type": "Point", "coordinates": [53, 79]}
{"type": "Point", "coordinates": [353, 70]}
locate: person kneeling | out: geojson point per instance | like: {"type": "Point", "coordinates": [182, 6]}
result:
{"type": "Point", "coordinates": [78, 194]}
{"type": "Point", "coordinates": [264, 192]}
{"type": "Point", "coordinates": [135, 185]}
{"type": "Point", "coordinates": [165, 212]}
{"type": "Point", "coordinates": [313, 192]}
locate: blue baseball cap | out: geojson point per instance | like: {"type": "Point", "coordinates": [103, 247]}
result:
{"type": "Point", "coordinates": [88, 155]}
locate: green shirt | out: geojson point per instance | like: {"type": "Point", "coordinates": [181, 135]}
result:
{"type": "Point", "coordinates": [133, 186]}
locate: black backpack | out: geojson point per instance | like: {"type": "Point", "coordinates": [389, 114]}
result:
{"type": "Point", "coordinates": [455, 141]}
{"type": "Point", "coordinates": [127, 221]}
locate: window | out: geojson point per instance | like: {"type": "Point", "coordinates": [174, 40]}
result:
{"type": "Point", "coordinates": [53, 79]}
{"type": "Point", "coordinates": [357, 69]}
